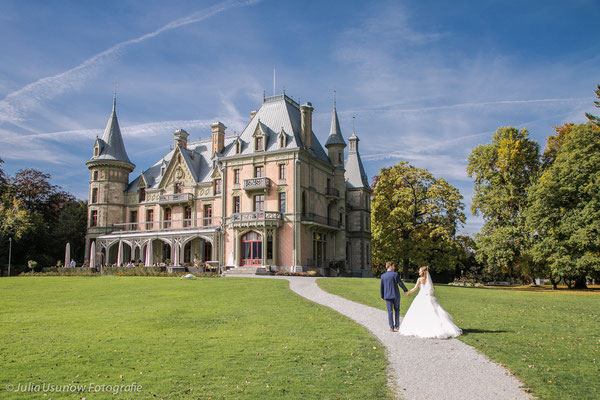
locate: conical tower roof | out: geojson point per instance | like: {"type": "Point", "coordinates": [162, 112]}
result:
{"type": "Point", "coordinates": [335, 133]}
{"type": "Point", "coordinates": [355, 175]}
{"type": "Point", "coordinates": [111, 146]}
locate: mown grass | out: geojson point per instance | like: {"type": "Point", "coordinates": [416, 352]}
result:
{"type": "Point", "coordinates": [181, 339]}
{"type": "Point", "coordinates": [550, 340]}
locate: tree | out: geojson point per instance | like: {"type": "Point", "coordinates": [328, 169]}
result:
{"type": "Point", "coordinates": [414, 219]}
{"type": "Point", "coordinates": [3, 178]}
{"type": "Point", "coordinates": [564, 211]}
{"type": "Point", "coordinates": [594, 119]}
{"type": "Point", "coordinates": [16, 220]}
{"type": "Point", "coordinates": [503, 171]}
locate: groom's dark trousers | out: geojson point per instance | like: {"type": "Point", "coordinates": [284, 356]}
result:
{"type": "Point", "coordinates": [391, 294]}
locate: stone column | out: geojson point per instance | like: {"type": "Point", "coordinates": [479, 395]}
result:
{"type": "Point", "coordinates": [264, 247]}
{"type": "Point", "coordinates": [237, 251]}
{"type": "Point", "coordinates": [276, 246]}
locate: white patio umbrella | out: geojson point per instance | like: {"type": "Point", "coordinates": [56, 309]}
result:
{"type": "Point", "coordinates": [120, 254]}
{"type": "Point", "coordinates": [68, 255]}
{"type": "Point", "coordinates": [148, 262]}
{"type": "Point", "coordinates": [93, 255]}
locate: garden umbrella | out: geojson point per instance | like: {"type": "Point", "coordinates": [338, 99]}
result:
{"type": "Point", "coordinates": [148, 262]}
{"type": "Point", "coordinates": [67, 255]}
{"type": "Point", "coordinates": [93, 255]}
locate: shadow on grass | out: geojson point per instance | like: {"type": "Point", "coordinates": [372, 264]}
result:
{"type": "Point", "coordinates": [468, 331]}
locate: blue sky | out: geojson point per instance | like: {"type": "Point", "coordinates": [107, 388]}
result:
{"type": "Point", "coordinates": [426, 81]}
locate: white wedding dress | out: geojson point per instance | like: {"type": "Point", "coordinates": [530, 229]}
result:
{"type": "Point", "coordinates": [426, 318]}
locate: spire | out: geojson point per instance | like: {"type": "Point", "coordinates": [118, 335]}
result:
{"type": "Point", "coordinates": [113, 148]}
{"type": "Point", "coordinates": [335, 133]}
{"type": "Point", "coordinates": [355, 171]}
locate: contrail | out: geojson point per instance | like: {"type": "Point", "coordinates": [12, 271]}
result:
{"type": "Point", "coordinates": [15, 104]}
{"type": "Point", "coordinates": [464, 105]}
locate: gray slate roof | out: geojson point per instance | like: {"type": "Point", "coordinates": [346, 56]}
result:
{"type": "Point", "coordinates": [276, 115]}
{"type": "Point", "coordinates": [355, 172]}
{"type": "Point", "coordinates": [335, 133]}
{"type": "Point", "coordinates": [111, 145]}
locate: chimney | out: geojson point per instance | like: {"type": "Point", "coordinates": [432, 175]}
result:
{"type": "Point", "coordinates": [306, 124]}
{"type": "Point", "coordinates": [252, 114]}
{"type": "Point", "coordinates": [218, 137]}
{"type": "Point", "coordinates": [181, 138]}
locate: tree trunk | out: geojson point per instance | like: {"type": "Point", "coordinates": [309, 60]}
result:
{"type": "Point", "coordinates": [405, 264]}
{"type": "Point", "coordinates": [580, 283]}
{"type": "Point", "coordinates": [554, 283]}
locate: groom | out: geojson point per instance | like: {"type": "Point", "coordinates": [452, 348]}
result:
{"type": "Point", "coordinates": [391, 295]}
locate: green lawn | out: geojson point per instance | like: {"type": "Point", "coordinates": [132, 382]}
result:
{"type": "Point", "coordinates": [181, 339]}
{"type": "Point", "coordinates": [550, 340]}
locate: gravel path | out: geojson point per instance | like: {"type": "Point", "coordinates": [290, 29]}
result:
{"type": "Point", "coordinates": [423, 368]}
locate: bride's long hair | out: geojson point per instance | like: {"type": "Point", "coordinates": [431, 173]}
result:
{"type": "Point", "coordinates": [425, 270]}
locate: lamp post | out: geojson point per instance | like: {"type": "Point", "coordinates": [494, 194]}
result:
{"type": "Point", "coordinates": [9, 253]}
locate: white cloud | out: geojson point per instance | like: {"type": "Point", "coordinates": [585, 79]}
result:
{"type": "Point", "coordinates": [17, 104]}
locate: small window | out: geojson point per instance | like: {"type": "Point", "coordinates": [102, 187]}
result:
{"type": "Point", "coordinates": [259, 203]}
{"type": "Point", "coordinates": [167, 222]}
{"type": "Point", "coordinates": [282, 202]}
{"type": "Point", "coordinates": [133, 216]}
{"type": "Point", "coordinates": [236, 204]}
{"type": "Point", "coordinates": [282, 171]}
{"type": "Point", "coordinates": [259, 144]}
{"type": "Point", "coordinates": [340, 157]}
{"type": "Point", "coordinates": [237, 147]}
{"type": "Point", "coordinates": [282, 141]}
{"type": "Point", "coordinates": [96, 151]}
{"type": "Point", "coordinates": [218, 186]}
{"type": "Point", "coordinates": [162, 171]}
{"type": "Point", "coordinates": [236, 176]}
{"type": "Point", "coordinates": [142, 196]}
{"type": "Point", "coordinates": [187, 216]}
{"type": "Point", "coordinates": [94, 218]}
{"type": "Point", "coordinates": [95, 175]}
{"type": "Point", "coordinates": [94, 195]}
{"type": "Point", "coordinates": [259, 171]}
{"type": "Point", "coordinates": [150, 219]}
{"type": "Point", "coordinates": [207, 220]}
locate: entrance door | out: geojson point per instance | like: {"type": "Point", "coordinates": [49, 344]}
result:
{"type": "Point", "coordinates": [251, 249]}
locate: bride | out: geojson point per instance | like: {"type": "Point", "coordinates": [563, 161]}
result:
{"type": "Point", "coordinates": [425, 317]}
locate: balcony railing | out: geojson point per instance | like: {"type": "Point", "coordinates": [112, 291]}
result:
{"type": "Point", "coordinates": [256, 216]}
{"type": "Point", "coordinates": [332, 192]}
{"type": "Point", "coordinates": [257, 183]}
{"type": "Point", "coordinates": [311, 217]}
{"type": "Point", "coordinates": [175, 198]}
{"type": "Point", "coordinates": [208, 222]}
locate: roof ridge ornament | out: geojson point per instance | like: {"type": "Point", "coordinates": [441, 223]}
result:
{"type": "Point", "coordinates": [115, 97]}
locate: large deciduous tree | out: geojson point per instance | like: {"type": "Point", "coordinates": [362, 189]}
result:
{"type": "Point", "coordinates": [414, 219]}
{"type": "Point", "coordinates": [40, 218]}
{"type": "Point", "coordinates": [564, 212]}
{"type": "Point", "coordinates": [503, 171]}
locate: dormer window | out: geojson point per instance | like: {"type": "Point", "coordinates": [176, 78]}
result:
{"type": "Point", "coordinates": [238, 146]}
{"type": "Point", "coordinates": [142, 195]}
{"type": "Point", "coordinates": [162, 171]}
{"type": "Point", "coordinates": [218, 186]}
{"type": "Point", "coordinates": [259, 144]}
{"type": "Point", "coordinates": [282, 140]}
{"type": "Point", "coordinates": [96, 151]}
{"type": "Point", "coordinates": [178, 187]}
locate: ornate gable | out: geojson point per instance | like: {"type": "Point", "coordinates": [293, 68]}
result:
{"type": "Point", "coordinates": [178, 171]}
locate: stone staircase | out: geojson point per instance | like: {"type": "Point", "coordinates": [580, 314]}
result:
{"type": "Point", "coordinates": [245, 271]}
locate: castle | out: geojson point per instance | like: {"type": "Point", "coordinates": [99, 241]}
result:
{"type": "Point", "coordinates": [270, 196]}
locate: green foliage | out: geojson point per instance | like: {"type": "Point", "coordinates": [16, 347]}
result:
{"type": "Point", "coordinates": [594, 119]}
{"type": "Point", "coordinates": [16, 220]}
{"type": "Point", "coordinates": [564, 208]}
{"type": "Point", "coordinates": [503, 171]}
{"type": "Point", "coordinates": [414, 219]}
{"type": "Point", "coordinates": [548, 339]}
{"type": "Point", "coordinates": [40, 218]}
{"type": "Point", "coordinates": [183, 339]}
{"type": "Point", "coordinates": [32, 264]}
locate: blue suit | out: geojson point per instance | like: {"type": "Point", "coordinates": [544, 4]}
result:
{"type": "Point", "coordinates": [391, 294]}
